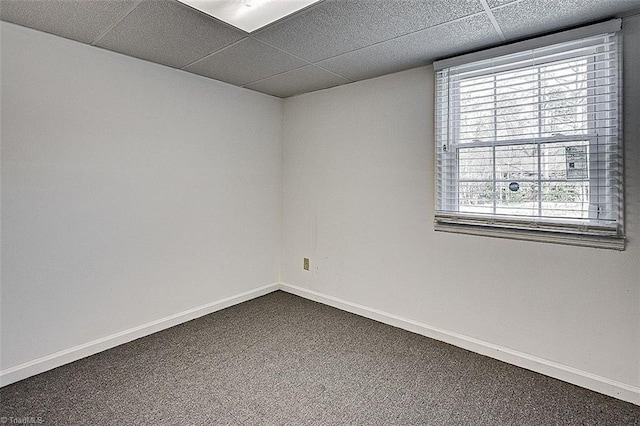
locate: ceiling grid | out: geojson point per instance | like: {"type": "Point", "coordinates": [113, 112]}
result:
{"type": "Point", "coordinates": [487, 9]}
{"type": "Point", "coordinates": [329, 43]}
{"type": "Point", "coordinates": [116, 22]}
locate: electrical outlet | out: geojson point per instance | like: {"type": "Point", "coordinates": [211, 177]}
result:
{"type": "Point", "coordinates": [305, 263]}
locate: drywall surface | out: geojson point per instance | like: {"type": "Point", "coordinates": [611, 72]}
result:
{"type": "Point", "coordinates": [130, 192]}
{"type": "Point", "coordinates": [358, 200]}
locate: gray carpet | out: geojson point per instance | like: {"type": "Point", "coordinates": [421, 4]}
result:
{"type": "Point", "coordinates": [284, 360]}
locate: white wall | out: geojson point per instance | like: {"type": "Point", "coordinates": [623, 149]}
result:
{"type": "Point", "coordinates": [358, 199]}
{"type": "Point", "coordinates": [130, 192]}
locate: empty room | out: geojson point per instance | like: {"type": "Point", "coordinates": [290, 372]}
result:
{"type": "Point", "coordinates": [320, 212]}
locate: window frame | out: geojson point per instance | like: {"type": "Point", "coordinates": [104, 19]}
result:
{"type": "Point", "coordinates": [556, 230]}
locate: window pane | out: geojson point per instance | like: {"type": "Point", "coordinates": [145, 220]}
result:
{"type": "Point", "coordinates": [516, 102]}
{"type": "Point", "coordinates": [520, 200]}
{"type": "Point", "coordinates": [517, 162]}
{"type": "Point", "coordinates": [476, 110]}
{"type": "Point", "coordinates": [476, 197]}
{"type": "Point", "coordinates": [563, 94]}
{"type": "Point", "coordinates": [566, 160]}
{"type": "Point", "coordinates": [565, 199]}
{"type": "Point", "coordinates": [475, 164]}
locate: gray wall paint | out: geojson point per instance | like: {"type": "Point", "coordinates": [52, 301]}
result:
{"type": "Point", "coordinates": [358, 199]}
{"type": "Point", "coordinates": [130, 192]}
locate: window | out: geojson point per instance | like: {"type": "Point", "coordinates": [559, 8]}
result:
{"type": "Point", "coordinates": [527, 144]}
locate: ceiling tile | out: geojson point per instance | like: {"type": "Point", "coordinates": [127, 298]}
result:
{"type": "Point", "coordinates": [75, 19]}
{"type": "Point", "coordinates": [244, 62]}
{"type": "Point", "coordinates": [496, 3]}
{"type": "Point", "coordinates": [169, 33]}
{"type": "Point", "coordinates": [415, 49]}
{"type": "Point", "coordinates": [338, 26]}
{"type": "Point", "coordinates": [301, 80]}
{"type": "Point", "coordinates": [530, 17]}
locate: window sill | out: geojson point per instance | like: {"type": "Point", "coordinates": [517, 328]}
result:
{"type": "Point", "coordinates": [603, 242]}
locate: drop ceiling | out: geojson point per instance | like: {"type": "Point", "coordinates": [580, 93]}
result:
{"type": "Point", "coordinates": [330, 43]}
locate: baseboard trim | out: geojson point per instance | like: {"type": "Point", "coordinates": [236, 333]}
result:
{"type": "Point", "coordinates": [57, 359]}
{"type": "Point", "coordinates": [553, 369]}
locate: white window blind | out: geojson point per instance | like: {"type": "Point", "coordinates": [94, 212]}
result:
{"type": "Point", "coordinates": [530, 142]}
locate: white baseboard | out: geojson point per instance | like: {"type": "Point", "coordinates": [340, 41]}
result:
{"type": "Point", "coordinates": [553, 369]}
{"type": "Point", "coordinates": [45, 363]}
{"type": "Point", "coordinates": [550, 368]}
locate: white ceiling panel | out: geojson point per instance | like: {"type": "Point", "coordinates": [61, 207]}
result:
{"type": "Point", "coordinates": [79, 20]}
{"type": "Point", "coordinates": [338, 26]}
{"type": "Point", "coordinates": [496, 3]}
{"type": "Point", "coordinates": [169, 33]}
{"type": "Point", "coordinates": [301, 80]}
{"type": "Point", "coordinates": [531, 17]}
{"type": "Point", "coordinates": [244, 62]}
{"type": "Point", "coordinates": [330, 43]}
{"type": "Point", "coordinates": [416, 49]}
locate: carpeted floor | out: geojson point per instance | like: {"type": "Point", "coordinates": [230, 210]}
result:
{"type": "Point", "coordinates": [284, 360]}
